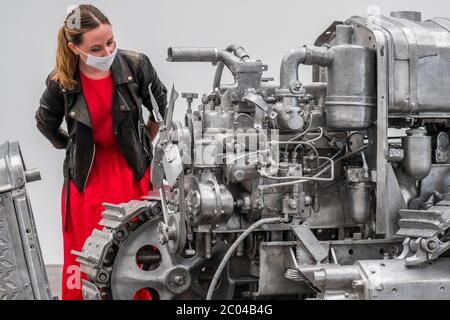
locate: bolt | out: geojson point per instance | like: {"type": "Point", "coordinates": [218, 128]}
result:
{"type": "Point", "coordinates": [179, 280]}
{"type": "Point", "coordinates": [293, 204]}
{"type": "Point", "coordinates": [432, 245]}
{"type": "Point", "coordinates": [357, 283]}
{"type": "Point", "coordinates": [156, 210]}
{"type": "Point", "coordinates": [120, 234]}
{"type": "Point", "coordinates": [394, 250]}
{"type": "Point", "coordinates": [239, 175]}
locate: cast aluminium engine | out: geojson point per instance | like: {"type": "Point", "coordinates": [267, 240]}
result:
{"type": "Point", "coordinates": [295, 190]}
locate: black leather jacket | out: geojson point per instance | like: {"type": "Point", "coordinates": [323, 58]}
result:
{"type": "Point", "coordinates": [132, 73]}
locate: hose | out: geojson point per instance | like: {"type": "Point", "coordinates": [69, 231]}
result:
{"type": "Point", "coordinates": [233, 247]}
{"type": "Point", "coordinates": [243, 115]}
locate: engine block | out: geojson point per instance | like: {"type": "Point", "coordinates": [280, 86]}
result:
{"type": "Point", "coordinates": [334, 189]}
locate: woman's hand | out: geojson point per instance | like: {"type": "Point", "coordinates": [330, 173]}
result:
{"type": "Point", "coordinates": [153, 129]}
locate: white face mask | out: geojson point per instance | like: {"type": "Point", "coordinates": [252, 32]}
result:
{"type": "Point", "coordinates": [100, 63]}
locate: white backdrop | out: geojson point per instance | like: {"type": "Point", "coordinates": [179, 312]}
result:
{"type": "Point", "coordinates": [267, 29]}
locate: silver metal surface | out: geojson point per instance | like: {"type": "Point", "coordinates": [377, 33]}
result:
{"type": "Point", "coordinates": [22, 270]}
{"type": "Point", "coordinates": [351, 95]}
{"type": "Point", "coordinates": [385, 280]}
{"type": "Point", "coordinates": [417, 160]}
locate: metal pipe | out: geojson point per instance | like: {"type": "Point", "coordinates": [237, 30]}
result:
{"type": "Point", "coordinates": [289, 66]}
{"type": "Point", "coordinates": [290, 86]}
{"type": "Point", "coordinates": [316, 88]}
{"type": "Point", "coordinates": [239, 52]}
{"type": "Point", "coordinates": [302, 179]}
{"type": "Point", "coordinates": [319, 173]}
{"type": "Point", "coordinates": [207, 54]}
{"type": "Point", "coordinates": [32, 175]}
{"type": "Point", "coordinates": [309, 55]}
{"type": "Point", "coordinates": [186, 54]}
{"type": "Point", "coordinates": [202, 54]}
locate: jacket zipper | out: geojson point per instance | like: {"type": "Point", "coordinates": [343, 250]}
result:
{"type": "Point", "coordinates": [141, 128]}
{"type": "Point", "coordinates": [89, 171]}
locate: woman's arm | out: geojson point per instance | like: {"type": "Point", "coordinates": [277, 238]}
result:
{"type": "Point", "coordinates": [147, 76]}
{"type": "Point", "coordinates": [50, 115]}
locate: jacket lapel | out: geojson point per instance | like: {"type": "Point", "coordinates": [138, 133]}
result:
{"type": "Point", "coordinates": [121, 75]}
{"type": "Point", "coordinates": [80, 111]}
{"type": "Point", "coordinates": [120, 70]}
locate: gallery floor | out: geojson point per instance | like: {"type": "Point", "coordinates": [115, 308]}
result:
{"type": "Point", "coordinates": [54, 277]}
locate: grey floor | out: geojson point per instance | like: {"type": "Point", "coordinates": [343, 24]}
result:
{"type": "Point", "coordinates": [54, 273]}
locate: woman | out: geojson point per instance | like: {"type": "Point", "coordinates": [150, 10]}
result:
{"type": "Point", "coordinates": [98, 89]}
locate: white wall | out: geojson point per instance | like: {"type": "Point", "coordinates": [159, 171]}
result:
{"type": "Point", "coordinates": [267, 29]}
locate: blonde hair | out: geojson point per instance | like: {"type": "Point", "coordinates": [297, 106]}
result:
{"type": "Point", "coordinates": [86, 18]}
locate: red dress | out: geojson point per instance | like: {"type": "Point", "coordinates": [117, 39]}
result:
{"type": "Point", "coordinates": [110, 180]}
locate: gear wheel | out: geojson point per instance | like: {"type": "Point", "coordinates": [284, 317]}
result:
{"type": "Point", "coordinates": [127, 257]}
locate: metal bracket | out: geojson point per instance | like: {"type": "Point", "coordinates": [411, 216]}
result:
{"type": "Point", "coordinates": [317, 250]}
